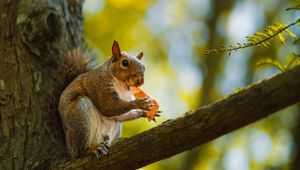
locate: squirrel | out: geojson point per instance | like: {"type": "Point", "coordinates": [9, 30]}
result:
{"type": "Point", "coordinates": [92, 103]}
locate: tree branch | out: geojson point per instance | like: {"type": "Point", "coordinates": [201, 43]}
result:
{"type": "Point", "coordinates": [199, 126]}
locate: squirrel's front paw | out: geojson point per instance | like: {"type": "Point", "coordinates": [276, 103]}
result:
{"type": "Point", "coordinates": [143, 104]}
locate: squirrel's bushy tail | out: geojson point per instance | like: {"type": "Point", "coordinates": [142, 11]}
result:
{"type": "Point", "coordinates": [73, 64]}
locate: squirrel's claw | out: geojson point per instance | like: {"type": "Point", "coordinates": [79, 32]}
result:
{"type": "Point", "coordinates": [98, 154]}
{"type": "Point", "coordinates": [106, 146]}
{"type": "Point", "coordinates": [152, 105]}
{"type": "Point", "coordinates": [142, 104]}
{"type": "Point", "coordinates": [102, 150]}
{"type": "Point", "coordinates": [157, 115]}
{"type": "Point", "coordinates": [151, 100]}
{"type": "Point", "coordinates": [145, 98]}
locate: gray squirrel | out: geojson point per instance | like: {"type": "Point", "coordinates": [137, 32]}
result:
{"type": "Point", "coordinates": [94, 102]}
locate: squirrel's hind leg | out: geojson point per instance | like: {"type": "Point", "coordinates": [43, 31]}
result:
{"type": "Point", "coordinates": [77, 126]}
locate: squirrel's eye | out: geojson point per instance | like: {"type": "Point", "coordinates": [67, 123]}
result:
{"type": "Point", "coordinates": [125, 63]}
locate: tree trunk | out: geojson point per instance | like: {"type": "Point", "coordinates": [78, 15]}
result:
{"type": "Point", "coordinates": [33, 37]}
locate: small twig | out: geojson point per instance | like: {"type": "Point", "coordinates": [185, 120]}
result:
{"type": "Point", "coordinates": [246, 45]}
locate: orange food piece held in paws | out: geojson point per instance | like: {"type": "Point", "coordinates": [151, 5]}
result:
{"type": "Point", "coordinates": [139, 94]}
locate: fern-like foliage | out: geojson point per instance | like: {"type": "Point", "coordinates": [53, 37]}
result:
{"type": "Point", "coordinates": [260, 39]}
{"type": "Point", "coordinates": [291, 61]}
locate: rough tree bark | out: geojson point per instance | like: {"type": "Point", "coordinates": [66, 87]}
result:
{"type": "Point", "coordinates": [33, 37]}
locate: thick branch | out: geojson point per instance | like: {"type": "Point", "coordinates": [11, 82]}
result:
{"type": "Point", "coordinates": [199, 126]}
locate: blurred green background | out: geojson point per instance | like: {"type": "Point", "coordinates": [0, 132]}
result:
{"type": "Point", "coordinates": [174, 36]}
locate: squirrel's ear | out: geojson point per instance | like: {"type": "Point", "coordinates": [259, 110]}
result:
{"type": "Point", "coordinates": [140, 55]}
{"type": "Point", "coordinates": [116, 52]}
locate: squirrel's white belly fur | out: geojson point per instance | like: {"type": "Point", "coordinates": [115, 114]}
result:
{"type": "Point", "coordinates": [103, 127]}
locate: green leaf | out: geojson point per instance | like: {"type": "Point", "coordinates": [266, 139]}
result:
{"type": "Point", "coordinates": [269, 32]}
{"type": "Point", "coordinates": [279, 66]}
{"type": "Point", "coordinates": [264, 44]}
{"type": "Point", "coordinates": [291, 33]}
{"type": "Point", "coordinates": [281, 37]}
{"type": "Point", "coordinates": [273, 27]}
{"type": "Point", "coordinates": [271, 62]}
{"type": "Point", "coordinates": [261, 34]}
{"type": "Point", "coordinates": [265, 61]}
{"type": "Point", "coordinates": [290, 61]}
